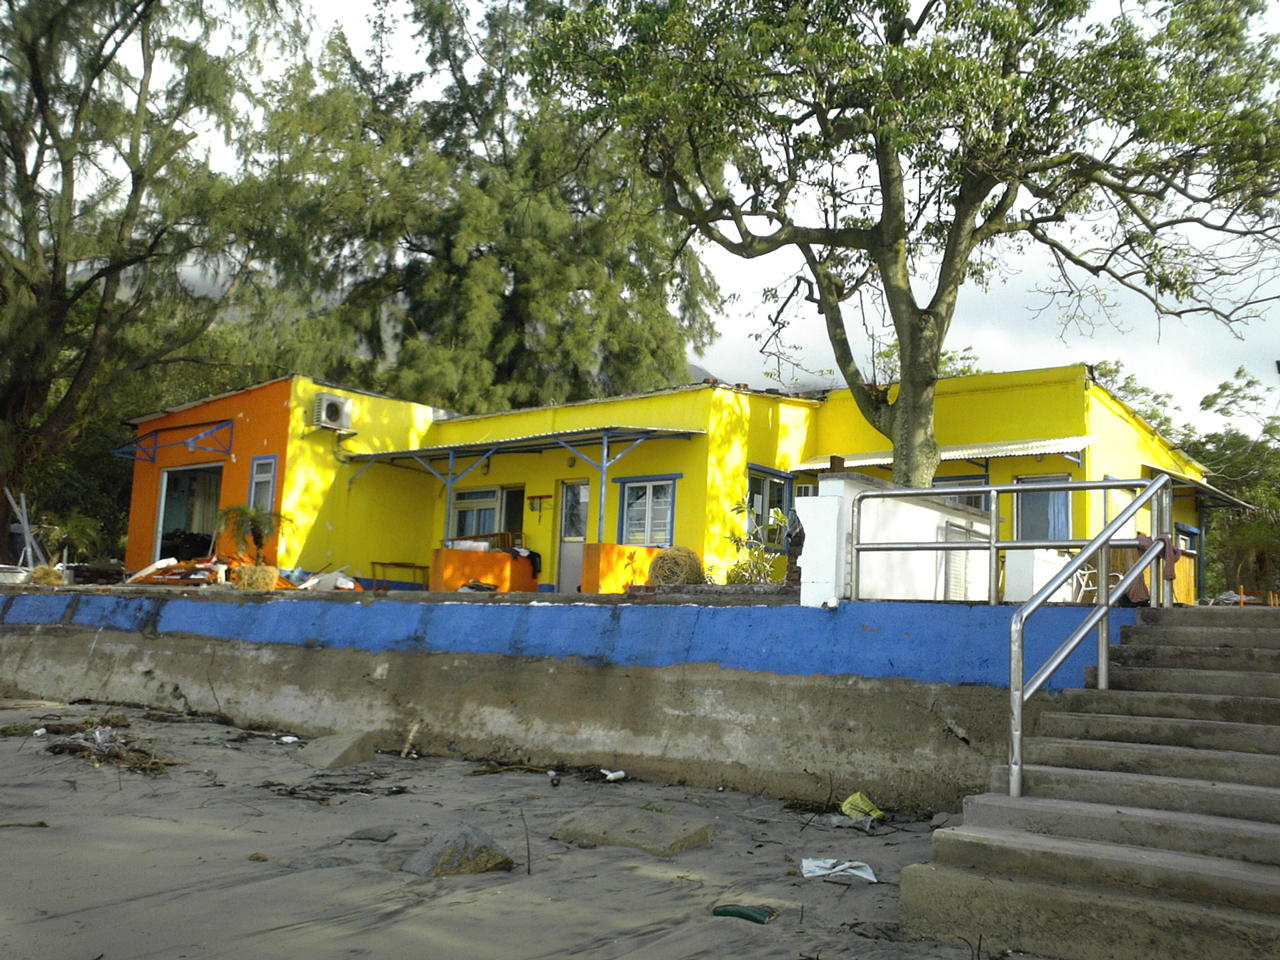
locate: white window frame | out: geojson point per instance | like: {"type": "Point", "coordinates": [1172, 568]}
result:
{"type": "Point", "coordinates": [262, 475]}
{"type": "Point", "coordinates": [474, 502]}
{"type": "Point", "coordinates": [762, 504]}
{"type": "Point", "coordinates": [656, 533]}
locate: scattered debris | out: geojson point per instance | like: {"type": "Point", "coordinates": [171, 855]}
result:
{"type": "Point", "coordinates": [409, 740]}
{"type": "Point", "coordinates": [456, 849]}
{"type": "Point", "coordinates": [830, 867]}
{"type": "Point", "coordinates": [860, 805]}
{"type": "Point", "coordinates": [209, 571]}
{"type": "Point", "coordinates": [613, 775]}
{"type": "Point", "coordinates": [107, 745]}
{"type": "Point", "coordinates": [758, 914]}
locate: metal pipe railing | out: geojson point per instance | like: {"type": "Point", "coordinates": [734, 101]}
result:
{"type": "Point", "coordinates": [993, 544]}
{"type": "Point", "coordinates": [1158, 492]}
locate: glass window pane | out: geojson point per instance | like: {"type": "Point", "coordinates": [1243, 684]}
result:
{"type": "Point", "coordinates": [573, 522]}
{"type": "Point", "coordinates": [1044, 514]}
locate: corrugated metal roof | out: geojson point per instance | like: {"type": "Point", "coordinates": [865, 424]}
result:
{"type": "Point", "coordinates": [534, 443]}
{"type": "Point", "coordinates": [1206, 488]}
{"type": "Point", "coordinates": [960, 451]}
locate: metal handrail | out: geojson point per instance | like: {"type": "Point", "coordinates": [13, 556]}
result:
{"type": "Point", "coordinates": [1159, 493]}
{"type": "Point", "coordinates": [993, 545]}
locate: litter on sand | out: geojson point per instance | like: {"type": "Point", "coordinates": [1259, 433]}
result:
{"type": "Point", "coordinates": [813, 867]}
{"type": "Point", "coordinates": [760, 914]}
{"type": "Point", "coordinates": [859, 805]}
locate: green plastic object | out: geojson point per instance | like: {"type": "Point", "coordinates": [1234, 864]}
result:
{"type": "Point", "coordinates": [743, 912]}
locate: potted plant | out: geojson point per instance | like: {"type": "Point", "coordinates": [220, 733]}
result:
{"type": "Point", "coordinates": [249, 524]}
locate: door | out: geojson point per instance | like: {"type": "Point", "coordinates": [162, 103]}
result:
{"type": "Point", "coordinates": [188, 512]}
{"type": "Point", "coordinates": [573, 534]}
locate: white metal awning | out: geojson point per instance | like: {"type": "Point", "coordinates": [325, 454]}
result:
{"type": "Point", "coordinates": [960, 451]}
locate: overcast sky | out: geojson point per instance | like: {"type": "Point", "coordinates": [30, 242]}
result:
{"type": "Point", "coordinates": [1187, 360]}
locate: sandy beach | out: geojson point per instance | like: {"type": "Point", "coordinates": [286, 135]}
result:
{"type": "Point", "coordinates": [238, 848]}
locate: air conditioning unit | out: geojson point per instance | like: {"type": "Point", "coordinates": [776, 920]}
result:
{"type": "Point", "coordinates": [332, 412]}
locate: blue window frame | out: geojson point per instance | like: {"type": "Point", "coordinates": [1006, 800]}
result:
{"type": "Point", "coordinates": [262, 483]}
{"type": "Point", "coordinates": [647, 509]}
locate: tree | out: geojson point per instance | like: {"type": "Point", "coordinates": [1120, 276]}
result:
{"type": "Point", "coordinates": [489, 251]}
{"type": "Point", "coordinates": [1243, 458]}
{"type": "Point", "coordinates": [120, 243]}
{"type": "Point", "coordinates": [899, 157]}
{"type": "Point", "coordinates": [247, 524]}
{"type": "Point", "coordinates": [1241, 545]}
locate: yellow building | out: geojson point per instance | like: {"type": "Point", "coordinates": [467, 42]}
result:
{"type": "Point", "coordinates": [378, 486]}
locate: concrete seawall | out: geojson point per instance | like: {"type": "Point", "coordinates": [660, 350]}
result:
{"type": "Point", "coordinates": [907, 701]}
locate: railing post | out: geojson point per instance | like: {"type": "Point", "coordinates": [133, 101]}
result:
{"type": "Point", "coordinates": [853, 547]}
{"type": "Point", "coordinates": [1104, 625]}
{"type": "Point", "coordinates": [993, 552]}
{"type": "Point", "coordinates": [1166, 496]}
{"type": "Point", "coordinates": [1016, 681]}
{"type": "Point", "coordinates": [1157, 568]}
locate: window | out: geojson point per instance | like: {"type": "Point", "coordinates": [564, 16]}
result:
{"type": "Point", "coordinates": [513, 509]}
{"type": "Point", "coordinates": [474, 511]}
{"type": "Point", "coordinates": [965, 569]}
{"type": "Point", "coordinates": [976, 500]}
{"type": "Point", "coordinates": [262, 483]}
{"type": "Point", "coordinates": [647, 513]}
{"type": "Point", "coordinates": [806, 490]}
{"type": "Point", "coordinates": [768, 490]}
{"type": "Point", "coordinates": [1043, 514]}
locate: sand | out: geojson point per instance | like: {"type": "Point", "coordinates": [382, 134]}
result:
{"type": "Point", "coordinates": [214, 857]}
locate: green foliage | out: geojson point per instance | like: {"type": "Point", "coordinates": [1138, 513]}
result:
{"type": "Point", "coordinates": [757, 561]}
{"type": "Point", "coordinates": [120, 243]}
{"type": "Point", "coordinates": [248, 524]}
{"type": "Point", "coordinates": [1241, 457]}
{"type": "Point", "coordinates": [898, 158]}
{"type": "Point", "coordinates": [488, 250]}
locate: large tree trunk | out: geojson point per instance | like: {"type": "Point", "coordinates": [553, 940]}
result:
{"type": "Point", "coordinates": [915, 447]}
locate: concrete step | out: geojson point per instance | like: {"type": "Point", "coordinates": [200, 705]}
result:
{"type": "Point", "coordinates": [1170, 731]}
{"type": "Point", "coordinates": [1150, 654]}
{"type": "Point", "coordinates": [1129, 826]}
{"type": "Point", "coordinates": [1219, 618]}
{"type": "Point", "coordinates": [1184, 876]}
{"type": "Point", "coordinates": [1213, 798]}
{"type": "Point", "coordinates": [1153, 759]}
{"type": "Point", "coordinates": [1223, 682]}
{"type": "Point", "coordinates": [1188, 636]}
{"type": "Point", "coordinates": [1144, 703]}
{"type": "Point", "coordinates": [944, 902]}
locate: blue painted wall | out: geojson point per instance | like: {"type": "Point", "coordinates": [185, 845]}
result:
{"type": "Point", "coordinates": [928, 642]}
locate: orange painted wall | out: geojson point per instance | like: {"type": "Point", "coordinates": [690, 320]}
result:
{"type": "Point", "coordinates": [260, 427]}
{"type": "Point", "coordinates": [612, 567]}
{"type": "Point", "coordinates": [450, 569]}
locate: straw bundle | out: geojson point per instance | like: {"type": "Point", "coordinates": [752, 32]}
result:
{"type": "Point", "coordinates": [676, 565]}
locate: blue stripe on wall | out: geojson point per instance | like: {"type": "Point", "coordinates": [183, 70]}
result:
{"type": "Point", "coordinates": [923, 641]}
{"type": "Point", "coordinates": [927, 642]}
